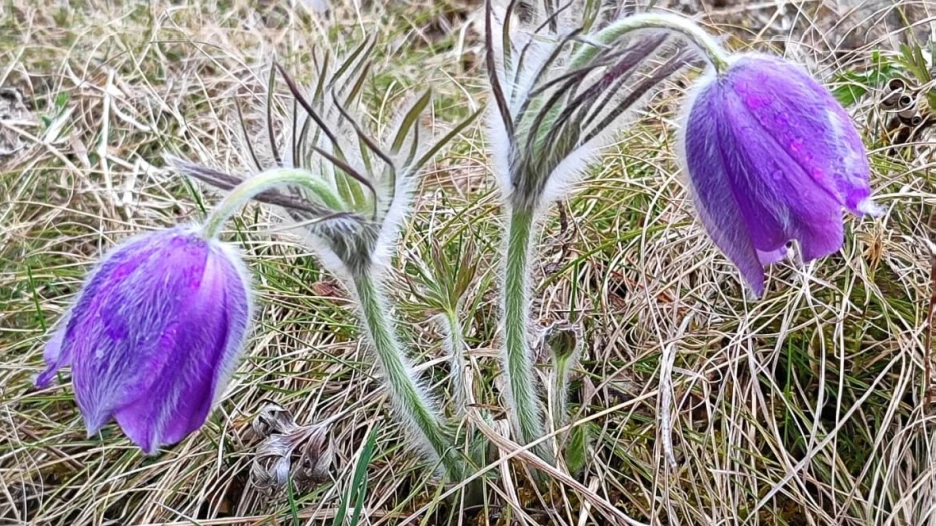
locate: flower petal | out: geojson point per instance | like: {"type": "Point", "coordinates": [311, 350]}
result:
{"type": "Point", "coordinates": [807, 123]}
{"type": "Point", "coordinates": [772, 256]}
{"type": "Point", "coordinates": [820, 239]}
{"type": "Point", "coordinates": [758, 186]}
{"type": "Point", "coordinates": [58, 352]}
{"type": "Point", "coordinates": [204, 341]}
{"type": "Point", "coordinates": [711, 189]}
{"type": "Point", "coordinates": [790, 159]}
{"type": "Point", "coordinates": [154, 335]}
{"type": "Point", "coordinates": [238, 308]}
{"type": "Point", "coordinates": [809, 212]}
{"type": "Point", "coordinates": [119, 327]}
{"type": "Point", "coordinates": [54, 358]}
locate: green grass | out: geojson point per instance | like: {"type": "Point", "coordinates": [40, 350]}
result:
{"type": "Point", "coordinates": [805, 407]}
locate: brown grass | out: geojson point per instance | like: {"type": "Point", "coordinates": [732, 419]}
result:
{"type": "Point", "coordinates": [805, 407]}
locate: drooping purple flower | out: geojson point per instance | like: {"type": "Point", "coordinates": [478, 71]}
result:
{"type": "Point", "coordinates": [772, 157]}
{"type": "Point", "coordinates": [154, 335]}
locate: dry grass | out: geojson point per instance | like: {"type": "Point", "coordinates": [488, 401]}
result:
{"type": "Point", "coordinates": [806, 407]}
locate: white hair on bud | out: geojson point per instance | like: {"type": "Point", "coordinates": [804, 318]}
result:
{"type": "Point", "coordinates": [499, 145]}
{"type": "Point", "coordinates": [592, 100]}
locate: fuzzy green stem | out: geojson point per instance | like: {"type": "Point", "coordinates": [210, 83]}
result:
{"type": "Point", "coordinates": [517, 356]}
{"type": "Point", "coordinates": [456, 347]}
{"type": "Point", "coordinates": [679, 24]}
{"type": "Point", "coordinates": [261, 182]}
{"type": "Point", "coordinates": [408, 397]}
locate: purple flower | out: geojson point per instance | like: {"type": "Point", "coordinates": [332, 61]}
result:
{"type": "Point", "coordinates": [772, 157]}
{"type": "Point", "coordinates": [154, 335]}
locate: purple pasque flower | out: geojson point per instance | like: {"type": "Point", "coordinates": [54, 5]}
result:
{"type": "Point", "coordinates": [772, 157]}
{"type": "Point", "coordinates": [154, 335]}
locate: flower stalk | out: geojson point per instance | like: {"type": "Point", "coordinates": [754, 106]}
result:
{"type": "Point", "coordinates": [251, 187]}
{"type": "Point", "coordinates": [455, 344]}
{"type": "Point", "coordinates": [560, 88]}
{"type": "Point", "coordinates": [517, 355]}
{"type": "Point", "coordinates": [698, 37]}
{"type": "Point", "coordinates": [564, 344]}
{"type": "Point", "coordinates": [348, 192]}
{"type": "Point", "coordinates": [560, 389]}
{"type": "Point", "coordinates": [409, 397]}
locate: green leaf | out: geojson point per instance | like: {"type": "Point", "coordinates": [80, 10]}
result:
{"type": "Point", "coordinates": [848, 94]}
{"type": "Point", "coordinates": [358, 489]}
{"type": "Point", "coordinates": [409, 120]}
{"type": "Point", "coordinates": [434, 149]}
{"type": "Point", "coordinates": [912, 59]}
{"type": "Point", "coordinates": [924, 73]}
{"type": "Point", "coordinates": [855, 85]}
{"type": "Point", "coordinates": [61, 100]}
{"type": "Point", "coordinates": [931, 100]}
{"type": "Point", "coordinates": [293, 509]}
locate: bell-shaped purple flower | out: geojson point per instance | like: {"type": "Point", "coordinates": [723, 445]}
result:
{"type": "Point", "coordinates": [772, 157]}
{"type": "Point", "coordinates": [154, 335]}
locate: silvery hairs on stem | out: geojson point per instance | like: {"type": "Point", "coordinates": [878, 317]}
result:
{"type": "Point", "coordinates": [564, 78]}
{"type": "Point", "coordinates": [560, 89]}
{"type": "Point", "coordinates": [355, 195]}
{"type": "Point", "coordinates": [366, 183]}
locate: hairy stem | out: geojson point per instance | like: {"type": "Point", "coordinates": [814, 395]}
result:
{"type": "Point", "coordinates": [455, 341]}
{"type": "Point", "coordinates": [262, 182]}
{"type": "Point", "coordinates": [564, 343]}
{"type": "Point", "coordinates": [408, 396]}
{"type": "Point", "coordinates": [518, 356]}
{"type": "Point", "coordinates": [679, 24]}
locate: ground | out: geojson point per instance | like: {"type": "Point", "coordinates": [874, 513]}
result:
{"type": "Point", "coordinates": [808, 406]}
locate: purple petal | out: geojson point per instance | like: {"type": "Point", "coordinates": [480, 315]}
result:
{"type": "Point", "coordinates": [756, 181]}
{"type": "Point", "coordinates": [808, 124]}
{"type": "Point", "coordinates": [238, 307]}
{"type": "Point", "coordinates": [206, 342]}
{"type": "Point", "coordinates": [757, 189]}
{"type": "Point", "coordinates": [157, 328]}
{"type": "Point", "coordinates": [115, 331]}
{"type": "Point", "coordinates": [711, 190]}
{"type": "Point", "coordinates": [53, 355]}
{"type": "Point", "coordinates": [772, 256]}
{"type": "Point", "coordinates": [821, 238]}
{"type": "Point", "coordinates": [769, 181]}
{"type": "Point", "coordinates": [56, 353]}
